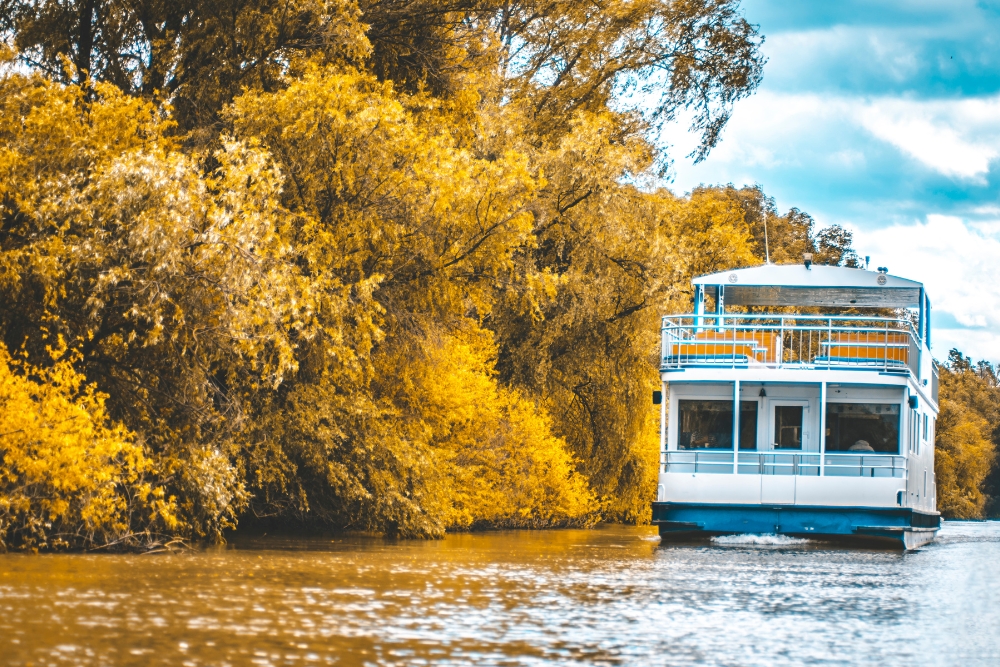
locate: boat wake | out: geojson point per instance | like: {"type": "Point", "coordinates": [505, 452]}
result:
{"type": "Point", "coordinates": [751, 540]}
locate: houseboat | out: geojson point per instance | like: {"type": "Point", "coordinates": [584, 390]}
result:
{"type": "Point", "coordinates": [799, 400]}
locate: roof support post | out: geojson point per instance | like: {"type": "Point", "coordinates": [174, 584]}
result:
{"type": "Point", "coordinates": [927, 325]}
{"type": "Point", "coordinates": [822, 429]}
{"type": "Point", "coordinates": [720, 301]}
{"type": "Point", "coordinates": [921, 326]}
{"type": "Point", "coordinates": [663, 416]}
{"type": "Point", "coordinates": [699, 306]}
{"type": "Point", "coordinates": [736, 426]}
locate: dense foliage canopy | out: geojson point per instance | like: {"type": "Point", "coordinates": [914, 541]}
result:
{"type": "Point", "coordinates": [968, 439]}
{"type": "Point", "coordinates": [393, 265]}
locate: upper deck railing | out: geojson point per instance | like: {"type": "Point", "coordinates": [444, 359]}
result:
{"type": "Point", "coordinates": [736, 340]}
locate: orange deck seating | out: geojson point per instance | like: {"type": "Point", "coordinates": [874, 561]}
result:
{"type": "Point", "coordinates": [759, 346]}
{"type": "Point", "coordinates": [869, 346]}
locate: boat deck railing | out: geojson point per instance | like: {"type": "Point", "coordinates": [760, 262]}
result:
{"type": "Point", "coordinates": [784, 463]}
{"type": "Point", "coordinates": [736, 340]}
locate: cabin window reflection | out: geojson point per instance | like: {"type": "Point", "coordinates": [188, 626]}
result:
{"type": "Point", "coordinates": [706, 425]}
{"type": "Point", "coordinates": [748, 424]}
{"type": "Point", "coordinates": [862, 427]}
{"type": "Point", "coordinates": [788, 426]}
{"type": "Point", "coordinates": [709, 425]}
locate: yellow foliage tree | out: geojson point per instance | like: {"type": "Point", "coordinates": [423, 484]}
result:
{"type": "Point", "coordinates": [962, 460]}
{"type": "Point", "coordinates": [69, 477]}
{"type": "Point", "coordinates": [393, 265]}
{"type": "Point", "coordinates": [966, 437]}
{"type": "Point", "coordinates": [408, 234]}
{"type": "Point", "coordinates": [502, 467]}
{"type": "Point", "coordinates": [175, 284]}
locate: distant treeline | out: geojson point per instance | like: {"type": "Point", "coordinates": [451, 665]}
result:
{"type": "Point", "coordinates": [394, 266]}
{"type": "Point", "coordinates": [968, 439]}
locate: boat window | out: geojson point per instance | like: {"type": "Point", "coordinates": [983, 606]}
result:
{"type": "Point", "coordinates": [788, 426]}
{"type": "Point", "coordinates": [748, 424]}
{"type": "Point", "coordinates": [705, 425]}
{"type": "Point", "coordinates": [862, 427]}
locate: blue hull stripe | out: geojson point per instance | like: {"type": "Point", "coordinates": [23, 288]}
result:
{"type": "Point", "coordinates": [790, 519]}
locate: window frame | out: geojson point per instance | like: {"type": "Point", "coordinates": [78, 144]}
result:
{"type": "Point", "coordinates": [901, 435]}
{"type": "Point", "coordinates": [680, 424]}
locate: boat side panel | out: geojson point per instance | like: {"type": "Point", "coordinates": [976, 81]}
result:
{"type": "Point", "coordinates": [709, 488]}
{"type": "Point", "coordinates": [747, 490]}
{"type": "Point", "coordinates": [844, 491]}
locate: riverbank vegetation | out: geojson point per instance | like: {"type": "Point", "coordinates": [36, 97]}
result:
{"type": "Point", "coordinates": [968, 435]}
{"type": "Point", "coordinates": [394, 266]}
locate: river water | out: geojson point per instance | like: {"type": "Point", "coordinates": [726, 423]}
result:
{"type": "Point", "coordinates": [611, 595]}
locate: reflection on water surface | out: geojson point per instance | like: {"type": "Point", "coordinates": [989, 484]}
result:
{"type": "Point", "coordinates": [608, 596]}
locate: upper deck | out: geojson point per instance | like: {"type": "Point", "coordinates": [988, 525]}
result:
{"type": "Point", "coordinates": [765, 331]}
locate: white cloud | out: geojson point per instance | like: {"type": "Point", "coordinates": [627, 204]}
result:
{"type": "Point", "coordinates": [957, 138]}
{"type": "Point", "coordinates": [849, 157]}
{"type": "Point", "coordinates": [765, 133]}
{"type": "Point", "coordinates": [835, 51]}
{"type": "Point", "coordinates": [958, 264]}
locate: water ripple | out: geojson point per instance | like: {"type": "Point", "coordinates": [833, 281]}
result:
{"type": "Point", "coordinates": [605, 597]}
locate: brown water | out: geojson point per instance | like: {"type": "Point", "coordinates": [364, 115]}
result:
{"type": "Point", "coordinates": [606, 596]}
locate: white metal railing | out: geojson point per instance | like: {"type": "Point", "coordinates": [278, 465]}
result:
{"type": "Point", "coordinates": [697, 461]}
{"type": "Point", "coordinates": [782, 341]}
{"type": "Point", "coordinates": [864, 465]}
{"type": "Point", "coordinates": [778, 463]}
{"type": "Point", "coordinates": [806, 464]}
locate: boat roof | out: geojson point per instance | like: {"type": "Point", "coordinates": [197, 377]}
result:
{"type": "Point", "coordinates": [817, 285]}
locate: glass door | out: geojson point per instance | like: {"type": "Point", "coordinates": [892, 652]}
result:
{"type": "Point", "coordinates": [788, 425]}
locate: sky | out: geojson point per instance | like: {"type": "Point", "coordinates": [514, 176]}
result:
{"type": "Point", "coordinates": [884, 117]}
